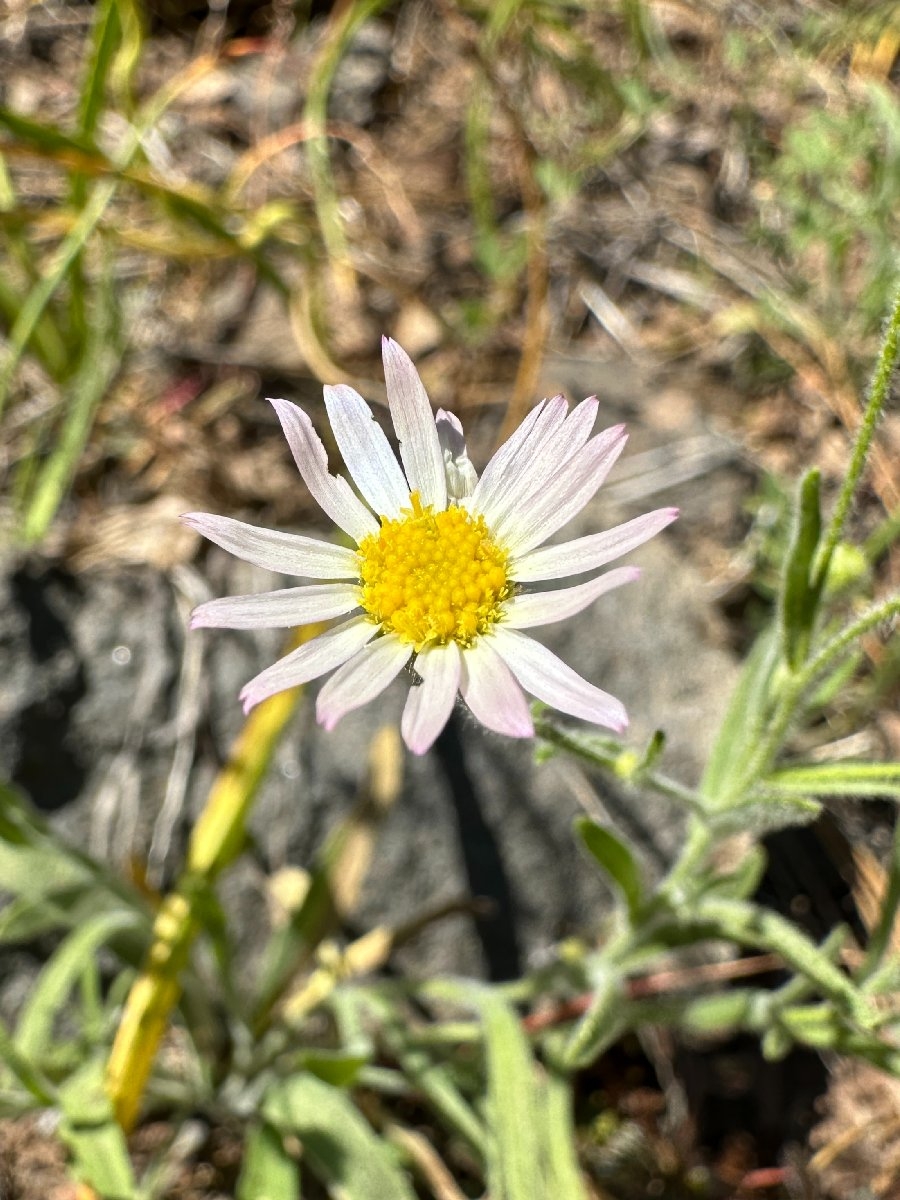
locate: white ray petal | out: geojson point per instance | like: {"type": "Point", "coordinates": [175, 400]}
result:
{"type": "Point", "coordinates": [361, 678]}
{"type": "Point", "coordinates": [278, 610]}
{"type": "Point", "coordinates": [461, 475]}
{"type": "Point", "coordinates": [551, 456]}
{"type": "Point", "coordinates": [429, 705]}
{"type": "Point", "coordinates": [564, 495]}
{"type": "Point", "coordinates": [420, 450]}
{"type": "Point", "coordinates": [588, 553]}
{"type": "Point", "coordinates": [496, 489]}
{"type": "Point", "coordinates": [329, 650]}
{"type": "Point", "coordinates": [287, 553]}
{"type": "Point", "coordinates": [366, 451]}
{"type": "Point", "coordinates": [544, 675]}
{"type": "Point", "coordinates": [332, 493]}
{"type": "Point", "coordinates": [543, 608]}
{"type": "Point", "coordinates": [491, 692]}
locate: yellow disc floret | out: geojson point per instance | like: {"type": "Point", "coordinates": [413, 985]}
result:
{"type": "Point", "coordinates": [433, 576]}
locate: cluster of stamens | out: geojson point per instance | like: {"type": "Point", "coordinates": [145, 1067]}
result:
{"type": "Point", "coordinates": [433, 576]}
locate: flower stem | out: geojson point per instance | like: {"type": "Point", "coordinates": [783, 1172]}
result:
{"type": "Point", "coordinates": [611, 759]}
{"type": "Point", "coordinates": [878, 393]}
{"type": "Point", "coordinates": [791, 699]}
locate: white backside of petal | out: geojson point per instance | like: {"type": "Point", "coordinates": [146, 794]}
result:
{"type": "Point", "coordinates": [506, 454]}
{"type": "Point", "coordinates": [564, 495]}
{"type": "Point", "coordinates": [278, 610]}
{"type": "Point", "coordinates": [491, 692]}
{"type": "Point", "coordinates": [544, 675]}
{"type": "Point", "coordinates": [420, 450]}
{"type": "Point", "coordinates": [361, 678]}
{"type": "Point", "coordinates": [502, 477]}
{"type": "Point", "coordinates": [315, 658]}
{"type": "Point", "coordinates": [588, 553]}
{"type": "Point", "coordinates": [543, 608]}
{"type": "Point", "coordinates": [332, 493]}
{"type": "Point", "coordinates": [461, 475]}
{"type": "Point", "coordinates": [287, 553]}
{"type": "Point", "coordinates": [366, 451]}
{"type": "Point", "coordinates": [552, 454]}
{"type": "Point", "coordinates": [429, 705]}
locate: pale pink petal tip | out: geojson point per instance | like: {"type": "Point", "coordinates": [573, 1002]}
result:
{"type": "Point", "coordinates": [429, 705]}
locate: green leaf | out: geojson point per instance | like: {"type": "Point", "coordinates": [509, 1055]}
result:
{"type": "Point", "coordinates": [31, 1079]}
{"type": "Point", "coordinates": [268, 1172]}
{"type": "Point", "coordinates": [95, 1139]}
{"type": "Point", "coordinates": [864, 779]}
{"type": "Point", "coordinates": [766, 812]}
{"type": "Point", "coordinates": [340, 1068]}
{"type": "Point", "coordinates": [37, 872]}
{"type": "Point", "coordinates": [600, 1026]}
{"type": "Point", "coordinates": [736, 740]}
{"type": "Point", "coordinates": [563, 1172]}
{"type": "Point", "coordinates": [835, 681]}
{"type": "Point", "coordinates": [615, 858]}
{"type": "Point", "coordinates": [655, 747]}
{"type": "Point", "coordinates": [515, 1170]}
{"type": "Point", "coordinates": [35, 1028]}
{"type": "Point", "coordinates": [341, 1148]}
{"type": "Point", "coordinates": [49, 139]}
{"type": "Point", "coordinates": [57, 269]}
{"type": "Point", "coordinates": [101, 360]}
{"type": "Point", "coordinates": [106, 34]}
{"type": "Point", "coordinates": [799, 594]}
{"type": "Point", "coordinates": [434, 1079]}
{"type": "Point", "coordinates": [751, 925]}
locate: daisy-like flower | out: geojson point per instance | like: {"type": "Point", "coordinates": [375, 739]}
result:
{"type": "Point", "coordinates": [442, 574]}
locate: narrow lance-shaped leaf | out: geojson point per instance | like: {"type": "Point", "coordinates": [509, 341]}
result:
{"type": "Point", "coordinates": [863, 779]}
{"type": "Point", "coordinates": [342, 1150]}
{"type": "Point", "coordinates": [563, 1172]}
{"type": "Point", "coordinates": [616, 860]}
{"type": "Point", "coordinates": [799, 593]}
{"type": "Point", "coordinates": [766, 810]}
{"type": "Point", "coordinates": [268, 1172]}
{"type": "Point", "coordinates": [93, 1136]}
{"type": "Point", "coordinates": [50, 993]}
{"type": "Point", "coordinates": [515, 1169]}
{"type": "Point", "coordinates": [742, 726]}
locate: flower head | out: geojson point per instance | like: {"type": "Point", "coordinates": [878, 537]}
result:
{"type": "Point", "coordinates": [441, 575]}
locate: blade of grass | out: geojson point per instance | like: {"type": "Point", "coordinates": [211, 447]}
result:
{"type": "Point", "coordinates": [73, 244]}
{"type": "Point", "coordinates": [38, 298]}
{"type": "Point", "coordinates": [106, 35]}
{"type": "Point", "coordinates": [344, 22]}
{"type": "Point", "coordinates": [99, 364]}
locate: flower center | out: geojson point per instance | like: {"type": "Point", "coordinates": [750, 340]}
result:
{"type": "Point", "coordinates": [433, 576]}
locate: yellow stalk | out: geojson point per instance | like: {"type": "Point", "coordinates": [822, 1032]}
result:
{"type": "Point", "coordinates": [215, 841]}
